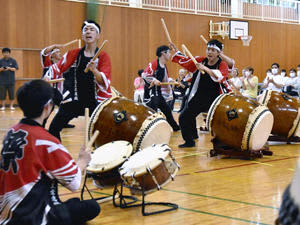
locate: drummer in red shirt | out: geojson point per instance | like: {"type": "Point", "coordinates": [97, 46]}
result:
{"type": "Point", "coordinates": [208, 82]}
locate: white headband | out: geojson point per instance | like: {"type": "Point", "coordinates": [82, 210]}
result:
{"type": "Point", "coordinates": [54, 50]}
{"type": "Point", "coordinates": [214, 46]}
{"type": "Point", "coordinates": [92, 25]}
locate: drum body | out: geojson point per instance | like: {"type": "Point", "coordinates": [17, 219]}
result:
{"type": "Point", "coordinates": [106, 160]}
{"type": "Point", "coordinates": [149, 169]}
{"type": "Point", "coordinates": [122, 119]}
{"type": "Point", "coordinates": [239, 122]}
{"type": "Point", "coordinates": [285, 110]}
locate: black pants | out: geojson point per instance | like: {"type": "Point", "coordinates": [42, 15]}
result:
{"type": "Point", "coordinates": [158, 102]}
{"type": "Point", "coordinates": [73, 212]}
{"type": "Point", "coordinates": [67, 112]}
{"type": "Point", "coordinates": [187, 118]}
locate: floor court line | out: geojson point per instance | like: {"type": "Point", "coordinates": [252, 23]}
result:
{"type": "Point", "coordinates": [222, 199]}
{"type": "Point", "coordinates": [213, 214]}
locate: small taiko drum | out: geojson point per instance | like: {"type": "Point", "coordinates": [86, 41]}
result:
{"type": "Point", "coordinates": [285, 110]}
{"type": "Point", "coordinates": [119, 118]}
{"type": "Point", "coordinates": [149, 169]}
{"type": "Point", "coordinates": [105, 162]}
{"type": "Point", "coordinates": [239, 122]}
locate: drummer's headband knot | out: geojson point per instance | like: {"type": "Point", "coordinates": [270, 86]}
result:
{"type": "Point", "coordinates": [213, 46]}
{"type": "Point", "coordinates": [90, 24]}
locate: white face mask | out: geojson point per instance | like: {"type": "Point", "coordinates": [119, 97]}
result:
{"type": "Point", "coordinates": [269, 74]}
{"type": "Point", "coordinates": [298, 73]}
{"type": "Point", "coordinates": [274, 71]}
{"type": "Point", "coordinates": [282, 74]}
{"type": "Point", "coordinates": [292, 74]}
{"type": "Point", "coordinates": [247, 73]}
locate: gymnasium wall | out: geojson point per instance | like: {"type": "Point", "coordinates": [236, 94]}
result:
{"type": "Point", "coordinates": [133, 36]}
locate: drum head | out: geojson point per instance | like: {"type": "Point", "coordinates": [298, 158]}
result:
{"type": "Point", "coordinates": [149, 157]}
{"type": "Point", "coordinates": [261, 130]}
{"type": "Point", "coordinates": [109, 156]}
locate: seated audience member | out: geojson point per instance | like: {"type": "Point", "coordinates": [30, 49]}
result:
{"type": "Point", "coordinates": [33, 162]}
{"type": "Point", "coordinates": [139, 87]}
{"type": "Point", "coordinates": [181, 89]}
{"type": "Point", "coordinates": [275, 81]}
{"type": "Point", "coordinates": [235, 81]}
{"type": "Point", "coordinates": [250, 84]}
{"type": "Point", "coordinates": [291, 86]}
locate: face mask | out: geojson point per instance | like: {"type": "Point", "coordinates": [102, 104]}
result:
{"type": "Point", "coordinates": [298, 73]}
{"type": "Point", "coordinates": [292, 74]}
{"type": "Point", "coordinates": [282, 74]}
{"type": "Point", "coordinates": [247, 73]}
{"type": "Point", "coordinates": [269, 74]}
{"type": "Point", "coordinates": [274, 71]}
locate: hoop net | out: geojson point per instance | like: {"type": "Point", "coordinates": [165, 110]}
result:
{"type": "Point", "coordinates": [246, 40]}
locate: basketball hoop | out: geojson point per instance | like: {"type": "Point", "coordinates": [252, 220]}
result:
{"type": "Point", "coordinates": [246, 40]}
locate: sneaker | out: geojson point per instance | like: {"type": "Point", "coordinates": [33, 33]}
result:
{"type": "Point", "coordinates": [2, 108]}
{"type": "Point", "coordinates": [12, 108]}
{"type": "Point", "coordinates": [187, 145]}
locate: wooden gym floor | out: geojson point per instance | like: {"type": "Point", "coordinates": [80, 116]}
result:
{"type": "Point", "coordinates": [216, 190]}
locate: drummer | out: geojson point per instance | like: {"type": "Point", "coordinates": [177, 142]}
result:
{"type": "Point", "coordinates": [87, 89]}
{"type": "Point", "coordinates": [204, 88]}
{"type": "Point", "coordinates": [33, 162]}
{"type": "Point", "coordinates": [155, 73]}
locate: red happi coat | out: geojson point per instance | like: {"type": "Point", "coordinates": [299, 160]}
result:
{"type": "Point", "coordinates": [189, 65]}
{"type": "Point", "coordinates": [104, 66]}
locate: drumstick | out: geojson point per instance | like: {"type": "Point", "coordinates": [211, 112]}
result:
{"type": "Point", "coordinates": [96, 55]}
{"type": "Point", "coordinates": [56, 80]}
{"type": "Point", "coordinates": [166, 30]}
{"type": "Point", "coordinates": [203, 38]}
{"type": "Point", "coordinates": [70, 42]}
{"type": "Point", "coordinates": [190, 55]}
{"type": "Point", "coordinates": [93, 139]}
{"type": "Point", "coordinates": [169, 83]}
{"type": "Point", "coordinates": [87, 118]}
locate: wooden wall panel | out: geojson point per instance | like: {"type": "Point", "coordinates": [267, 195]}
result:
{"type": "Point", "coordinates": [134, 35]}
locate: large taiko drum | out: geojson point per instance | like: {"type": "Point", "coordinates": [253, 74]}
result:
{"type": "Point", "coordinates": [239, 122]}
{"type": "Point", "coordinates": [149, 169]}
{"type": "Point", "coordinates": [285, 110]}
{"type": "Point", "coordinates": [119, 118]}
{"type": "Point", "coordinates": [105, 162]}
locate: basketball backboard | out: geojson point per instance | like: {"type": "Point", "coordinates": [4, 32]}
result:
{"type": "Point", "coordinates": [238, 28]}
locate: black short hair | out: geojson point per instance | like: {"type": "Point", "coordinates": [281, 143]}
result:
{"type": "Point", "coordinates": [249, 68]}
{"type": "Point", "coordinates": [161, 49]}
{"type": "Point", "coordinates": [283, 70]}
{"type": "Point", "coordinates": [275, 64]}
{"type": "Point", "coordinates": [215, 42]}
{"type": "Point", "coordinates": [33, 96]}
{"type": "Point", "coordinates": [292, 70]}
{"type": "Point", "coordinates": [6, 50]}
{"type": "Point", "coordinates": [140, 72]}
{"type": "Point", "coordinates": [298, 65]}
{"type": "Point", "coordinates": [91, 21]}
{"type": "Point", "coordinates": [268, 70]}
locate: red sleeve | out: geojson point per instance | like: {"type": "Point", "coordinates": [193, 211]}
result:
{"type": "Point", "coordinates": [104, 67]}
{"type": "Point", "coordinates": [223, 67]}
{"type": "Point", "coordinates": [149, 71]}
{"type": "Point", "coordinates": [186, 62]}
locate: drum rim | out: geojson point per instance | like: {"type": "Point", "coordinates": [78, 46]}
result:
{"type": "Point", "coordinates": [145, 129]}
{"type": "Point", "coordinates": [117, 161]}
